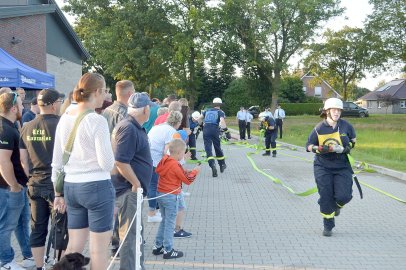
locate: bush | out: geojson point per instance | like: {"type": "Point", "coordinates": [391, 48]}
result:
{"type": "Point", "coordinates": [302, 108]}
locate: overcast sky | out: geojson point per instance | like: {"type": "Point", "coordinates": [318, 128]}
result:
{"type": "Point", "coordinates": [354, 16]}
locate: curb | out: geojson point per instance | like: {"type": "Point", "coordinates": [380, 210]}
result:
{"type": "Point", "coordinates": [382, 170]}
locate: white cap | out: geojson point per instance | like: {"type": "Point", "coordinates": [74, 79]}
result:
{"type": "Point", "coordinates": [217, 101]}
{"type": "Point", "coordinates": [333, 103]}
{"type": "Point", "coordinates": [196, 115]}
{"type": "Point", "coordinates": [262, 116]}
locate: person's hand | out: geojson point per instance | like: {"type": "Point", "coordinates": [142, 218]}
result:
{"type": "Point", "coordinates": [322, 149]}
{"type": "Point", "coordinates": [271, 127]}
{"type": "Point", "coordinates": [16, 188]}
{"type": "Point", "coordinates": [59, 204]}
{"type": "Point", "coordinates": [347, 149]}
{"type": "Point", "coordinates": [135, 187]}
{"type": "Point", "coordinates": [337, 148]}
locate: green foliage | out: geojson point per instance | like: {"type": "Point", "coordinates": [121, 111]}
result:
{"type": "Point", "coordinates": [343, 58]}
{"type": "Point", "coordinates": [263, 35]}
{"type": "Point", "coordinates": [236, 95]}
{"type": "Point", "coordinates": [291, 90]}
{"type": "Point", "coordinates": [301, 108]}
{"type": "Point", "coordinates": [388, 23]}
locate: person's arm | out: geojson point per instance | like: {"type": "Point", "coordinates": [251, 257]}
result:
{"type": "Point", "coordinates": [7, 170]}
{"type": "Point", "coordinates": [185, 176]}
{"type": "Point", "coordinates": [223, 122]}
{"type": "Point", "coordinates": [24, 161]}
{"type": "Point", "coordinates": [127, 172]}
{"type": "Point", "coordinates": [104, 151]}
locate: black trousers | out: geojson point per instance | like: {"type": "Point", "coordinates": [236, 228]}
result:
{"type": "Point", "coordinates": [279, 124]}
{"type": "Point", "coordinates": [270, 141]}
{"type": "Point", "coordinates": [249, 130]}
{"type": "Point", "coordinates": [211, 136]}
{"type": "Point", "coordinates": [192, 145]}
{"type": "Point", "coordinates": [242, 126]}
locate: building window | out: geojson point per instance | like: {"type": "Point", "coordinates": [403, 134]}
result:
{"type": "Point", "coordinates": [317, 91]}
{"type": "Point", "coordinates": [369, 104]}
{"type": "Point", "coordinates": [403, 104]}
{"type": "Point", "coordinates": [379, 104]}
{"type": "Point", "coordinates": [304, 89]}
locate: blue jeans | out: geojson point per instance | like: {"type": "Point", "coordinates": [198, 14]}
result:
{"type": "Point", "coordinates": [168, 205]}
{"type": "Point", "coordinates": [14, 216]}
{"type": "Point", "coordinates": [152, 190]}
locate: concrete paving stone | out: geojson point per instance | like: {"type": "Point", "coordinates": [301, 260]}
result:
{"type": "Point", "coordinates": [242, 220]}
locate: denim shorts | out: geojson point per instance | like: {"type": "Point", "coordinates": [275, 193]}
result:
{"type": "Point", "coordinates": [181, 202]}
{"type": "Point", "coordinates": [90, 205]}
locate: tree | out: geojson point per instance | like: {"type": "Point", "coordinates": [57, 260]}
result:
{"type": "Point", "coordinates": [190, 19]}
{"type": "Point", "coordinates": [263, 35]}
{"type": "Point", "coordinates": [291, 90]}
{"type": "Point", "coordinates": [127, 39]}
{"type": "Point", "coordinates": [388, 21]}
{"type": "Point", "coordinates": [344, 56]}
{"type": "Point", "coordinates": [386, 100]}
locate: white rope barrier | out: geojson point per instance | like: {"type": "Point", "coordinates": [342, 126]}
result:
{"type": "Point", "coordinates": [137, 218]}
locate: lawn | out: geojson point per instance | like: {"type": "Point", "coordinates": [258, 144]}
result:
{"type": "Point", "coordinates": [381, 139]}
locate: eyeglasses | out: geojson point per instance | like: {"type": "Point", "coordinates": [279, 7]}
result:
{"type": "Point", "coordinates": [59, 100]}
{"type": "Point", "coordinates": [15, 97]}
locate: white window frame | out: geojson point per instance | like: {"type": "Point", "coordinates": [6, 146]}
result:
{"type": "Point", "coordinates": [402, 104]}
{"type": "Point", "coordinates": [369, 104]}
{"type": "Point", "coordinates": [379, 104]}
{"type": "Point", "coordinates": [316, 94]}
{"type": "Point", "coordinates": [304, 89]}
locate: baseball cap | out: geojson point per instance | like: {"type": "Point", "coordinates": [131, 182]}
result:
{"type": "Point", "coordinates": [48, 96]}
{"type": "Point", "coordinates": [139, 100]}
{"type": "Point", "coordinates": [181, 134]}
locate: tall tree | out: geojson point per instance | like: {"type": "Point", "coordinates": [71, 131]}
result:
{"type": "Point", "coordinates": [344, 56]}
{"type": "Point", "coordinates": [262, 35]}
{"type": "Point", "coordinates": [388, 21]}
{"type": "Point", "coordinates": [190, 19]}
{"type": "Point", "coordinates": [127, 39]}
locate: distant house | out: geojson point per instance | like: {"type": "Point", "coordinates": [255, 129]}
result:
{"type": "Point", "coordinates": [314, 86]}
{"type": "Point", "coordinates": [390, 98]}
{"type": "Point", "coordinates": [37, 33]}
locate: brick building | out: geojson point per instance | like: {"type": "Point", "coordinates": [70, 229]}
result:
{"type": "Point", "coordinates": [314, 86]}
{"type": "Point", "coordinates": [37, 33]}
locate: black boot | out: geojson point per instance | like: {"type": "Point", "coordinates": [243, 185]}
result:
{"type": "Point", "coordinates": [214, 171]}
{"type": "Point", "coordinates": [266, 154]}
{"type": "Point", "coordinates": [223, 167]}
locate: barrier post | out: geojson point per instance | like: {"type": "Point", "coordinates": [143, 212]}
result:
{"type": "Point", "coordinates": [139, 240]}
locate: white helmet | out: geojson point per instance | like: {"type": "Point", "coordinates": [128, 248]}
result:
{"type": "Point", "coordinates": [217, 101]}
{"type": "Point", "coordinates": [196, 115]}
{"type": "Point", "coordinates": [333, 103]}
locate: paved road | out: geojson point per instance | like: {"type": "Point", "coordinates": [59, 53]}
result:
{"type": "Point", "coordinates": [242, 220]}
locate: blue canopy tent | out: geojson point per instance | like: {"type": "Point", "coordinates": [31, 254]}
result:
{"type": "Point", "coordinates": [14, 73]}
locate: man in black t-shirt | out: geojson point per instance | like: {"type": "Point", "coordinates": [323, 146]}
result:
{"type": "Point", "coordinates": [37, 145]}
{"type": "Point", "coordinates": [14, 210]}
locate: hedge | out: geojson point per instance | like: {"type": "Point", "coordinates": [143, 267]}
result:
{"type": "Point", "coordinates": [301, 108]}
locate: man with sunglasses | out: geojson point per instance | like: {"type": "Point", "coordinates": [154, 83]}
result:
{"type": "Point", "coordinates": [14, 210]}
{"type": "Point", "coordinates": [37, 145]}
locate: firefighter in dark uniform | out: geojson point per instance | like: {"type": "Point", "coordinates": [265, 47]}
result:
{"type": "Point", "coordinates": [271, 133]}
{"type": "Point", "coordinates": [214, 120]}
{"type": "Point", "coordinates": [332, 140]}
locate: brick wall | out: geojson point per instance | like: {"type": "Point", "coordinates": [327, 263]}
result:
{"type": "Point", "coordinates": [31, 30]}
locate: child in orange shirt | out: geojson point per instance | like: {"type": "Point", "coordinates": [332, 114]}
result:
{"type": "Point", "coordinates": [171, 176]}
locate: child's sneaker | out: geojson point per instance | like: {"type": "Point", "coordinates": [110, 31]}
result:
{"type": "Point", "coordinates": [182, 234]}
{"type": "Point", "coordinates": [157, 251]}
{"type": "Point", "coordinates": [173, 254]}
{"type": "Point", "coordinates": [11, 266]}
